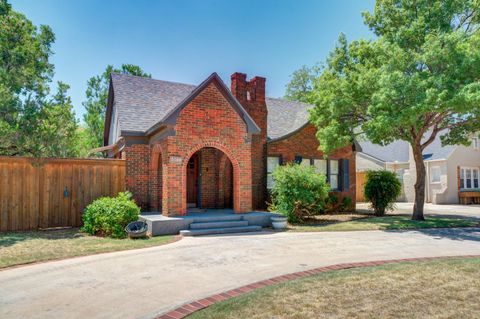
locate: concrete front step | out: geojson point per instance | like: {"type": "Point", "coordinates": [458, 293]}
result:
{"type": "Point", "coordinates": [220, 218]}
{"type": "Point", "coordinates": [219, 224]}
{"type": "Point", "coordinates": [213, 231]}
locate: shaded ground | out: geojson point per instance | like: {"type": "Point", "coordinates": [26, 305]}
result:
{"type": "Point", "coordinates": [440, 289]}
{"type": "Point", "coordinates": [352, 222]}
{"type": "Point", "coordinates": [458, 211]}
{"type": "Point", "coordinates": [18, 248]}
{"type": "Point", "coordinates": [145, 283]}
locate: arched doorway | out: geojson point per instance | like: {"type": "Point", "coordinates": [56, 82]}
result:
{"type": "Point", "coordinates": [209, 182]}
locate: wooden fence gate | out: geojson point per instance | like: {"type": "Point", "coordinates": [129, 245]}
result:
{"type": "Point", "coordinates": [42, 193]}
{"type": "Point", "coordinates": [361, 177]}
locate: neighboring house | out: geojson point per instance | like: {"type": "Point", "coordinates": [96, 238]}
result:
{"type": "Point", "coordinates": [210, 147]}
{"type": "Point", "coordinates": [452, 170]}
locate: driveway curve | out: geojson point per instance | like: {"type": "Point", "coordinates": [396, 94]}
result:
{"type": "Point", "coordinates": [147, 282]}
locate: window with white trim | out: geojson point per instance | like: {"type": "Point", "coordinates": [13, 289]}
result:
{"type": "Point", "coordinates": [333, 176]}
{"type": "Point", "coordinates": [475, 142]}
{"type": "Point", "coordinates": [272, 163]}
{"type": "Point", "coordinates": [320, 166]}
{"type": "Point", "coordinates": [469, 177]}
{"type": "Point", "coordinates": [435, 174]}
{"type": "Point", "coordinates": [305, 162]}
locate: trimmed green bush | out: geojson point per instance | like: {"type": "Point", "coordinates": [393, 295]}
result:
{"type": "Point", "coordinates": [108, 216]}
{"type": "Point", "coordinates": [298, 191]}
{"type": "Point", "coordinates": [382, 189]}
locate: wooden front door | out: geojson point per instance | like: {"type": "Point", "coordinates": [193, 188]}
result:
{"type": "Point", "coordinates": [192, 181]}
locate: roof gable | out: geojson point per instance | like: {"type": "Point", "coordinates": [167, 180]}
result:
{"type": "Point", "coordinates": [171, 117]}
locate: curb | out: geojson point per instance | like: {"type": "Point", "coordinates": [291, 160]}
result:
{"type": "Point", "coordinates": [194, 306]}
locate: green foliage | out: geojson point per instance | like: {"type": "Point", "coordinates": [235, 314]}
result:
{"type": "Point", "coordinates": [96, 102]}
{"type": "Point", "coordinates": [419, 78]}
{"type": "Point", "coordinates": [31, 124]}
{"type": "Point", "coordinates": [298, 191]}
{"type": "Point", "coordinates": [300, 87]}
{"type": "Point", "coordinates": [108, 216]}
{"type": "Point", "coordinates": [382, 189]}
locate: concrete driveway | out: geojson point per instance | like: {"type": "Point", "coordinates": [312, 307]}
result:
{"type": "Point", "coordinates": [462, 211]}
{"type": "Point", "coordinates": [148, 282]}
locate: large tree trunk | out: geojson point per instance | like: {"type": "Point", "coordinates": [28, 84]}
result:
{"type": "Point", "coordinates": [419, 184]}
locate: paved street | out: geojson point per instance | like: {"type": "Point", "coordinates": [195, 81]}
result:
{"type": "Point", "coordinates": [147, 282]}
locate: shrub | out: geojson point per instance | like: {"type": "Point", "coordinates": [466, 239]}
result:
{"type": "Point", "coordinates": [382, 189]}
{"type": "Point", "coordinates": [108, 216]}
{"type": "Point", "coordinates": [298, 191]}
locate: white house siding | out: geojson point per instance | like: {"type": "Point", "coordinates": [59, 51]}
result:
{"type": "Point", "coordinates": [436, 192]}
{"type": "Point", "coordinates": [464, 157]}
{"type": "Point", "coordinates": [400, 169]}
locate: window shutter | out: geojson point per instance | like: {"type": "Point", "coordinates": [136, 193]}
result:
{"type": "Point", "coordinates": [345, 174]}
{"type": "Point", "coordinates": [298, 159]}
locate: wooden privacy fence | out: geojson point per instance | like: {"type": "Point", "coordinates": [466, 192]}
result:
{"type": "Point", "coordinates": [361, 178]}
{"type": "Point", "coordinates": [42, 193]}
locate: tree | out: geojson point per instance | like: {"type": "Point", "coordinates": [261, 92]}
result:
{"type": "Point", "coordinates": [31, 123]}
{"type": "Point", "coordinates": [25, 72]}
{"type": "Point", "coordinates": [417, 80]}
{"type": "Point", "coordinates": [300, 86]}
{"type": "Point", "coordinates": [96, 102]}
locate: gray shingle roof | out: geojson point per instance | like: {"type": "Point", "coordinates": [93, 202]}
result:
{"type": "Point", "coordinates": [285, 116]}
{"type": "Point", "coordinates": [438, 151]}
{"type": "Point", "coordinates": [142, 102]}
{"type": "Point", "coordinates": [399, 150]}
{"type": "Point", "coordinates": [396, 151]}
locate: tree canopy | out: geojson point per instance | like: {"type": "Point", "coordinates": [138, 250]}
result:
{"type": "Point", "coordinates": [31, 123]}
{"type": "Point", "coordinates": [96, 102]}
{"type": "Point", "coordinates": [419, 78]}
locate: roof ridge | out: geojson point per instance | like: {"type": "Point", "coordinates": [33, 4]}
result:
{"type": "Point", "coordinates": [152, 79]}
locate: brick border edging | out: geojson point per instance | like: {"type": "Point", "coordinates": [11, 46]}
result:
{"type": "Point", "coordinates": [194, 306]}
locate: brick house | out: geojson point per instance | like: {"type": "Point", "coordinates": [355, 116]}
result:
{"type": "Point", "coordinates": [208, 146]}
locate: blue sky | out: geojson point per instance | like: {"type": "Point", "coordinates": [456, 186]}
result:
{"type": "Point", "coordinates": [185, 41]}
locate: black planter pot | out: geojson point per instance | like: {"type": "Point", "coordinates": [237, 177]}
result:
{"type": "Point", "coordinates": [137, 229]}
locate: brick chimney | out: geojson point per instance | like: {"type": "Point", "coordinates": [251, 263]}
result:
{"type": "Point", "coordinates": [251, 94]}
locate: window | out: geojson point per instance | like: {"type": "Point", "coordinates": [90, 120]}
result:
{"type": "Point", "coordinates": [305, 162]}
{"type": "Point", "coordinates": [320, 166]}
{"type": "Point", "coordinates": [399, 173]}
{"type": "Point", "coordinates": [469, 178]}
{"type": "Point", "coordinates": [333, 175]}
{"type": "Point", "coordinates": [272, 163]}
{"type": "Point", "coordinates": [475, 142]}
{"type": "Point", "coordinates": [435, 174]}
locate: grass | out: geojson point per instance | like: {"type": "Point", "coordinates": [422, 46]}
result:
{"type": "Point", "coordinates": [17, 248]}
{"type": "Point", "coordinates": [438, 289]}
{"type": "Point", "coordinates": [364, 222]}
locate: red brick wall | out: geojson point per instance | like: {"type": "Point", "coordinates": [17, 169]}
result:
{"type": "Point", "coordinates": [137, 174]}
{"type": "Point", "coordinates": [207, 121]}
{"type": "Point", "coordinates": [304, 143]}
{"type": "Point", "coordinates": [251, 94]}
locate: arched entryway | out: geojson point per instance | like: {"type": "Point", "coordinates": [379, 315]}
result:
{"type": "Point", "coordinates": [209, 180]}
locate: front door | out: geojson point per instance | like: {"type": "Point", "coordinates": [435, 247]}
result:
{"type": "Point", "coordinates": [192, 181]}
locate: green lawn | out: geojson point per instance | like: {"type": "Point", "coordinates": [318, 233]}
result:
{"type": "Point", "coordinates": [18, 248]}
{"type": "Point", "coordinates": [383, 223]}
{"type": "Point", "coordinates": [435, 289]}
